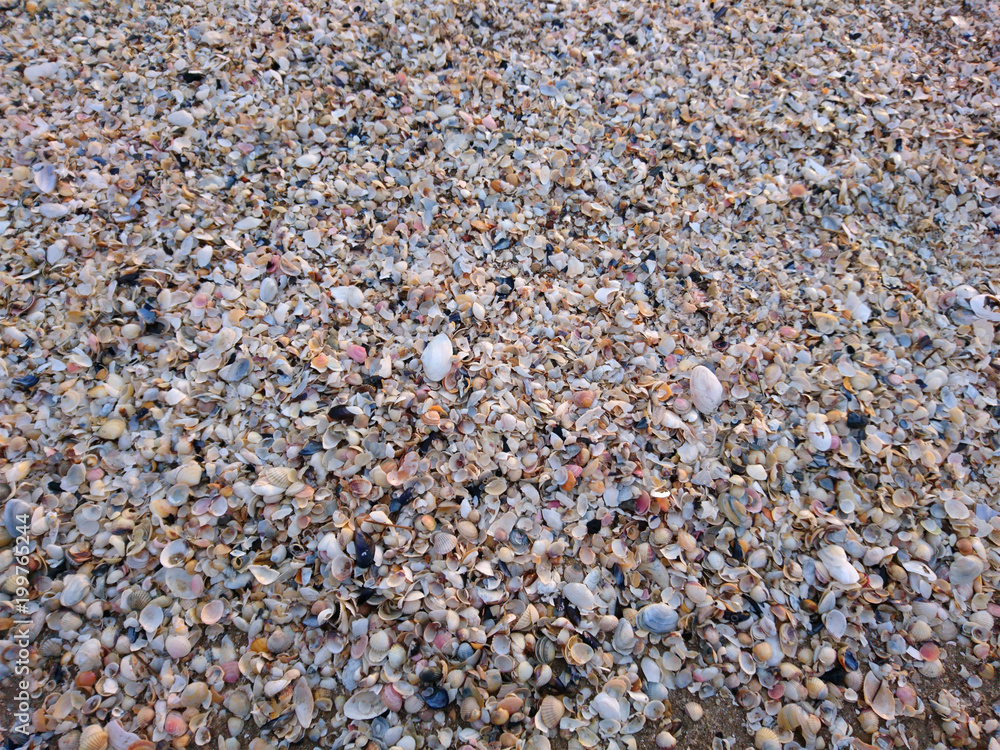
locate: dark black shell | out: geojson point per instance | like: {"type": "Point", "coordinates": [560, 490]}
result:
{"type": "Point", "coordinates": [435, 697]}
{"type": "Point", "coordinates": [364, 549]}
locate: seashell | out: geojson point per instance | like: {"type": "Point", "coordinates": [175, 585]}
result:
{"type": "Point", "coordinates": [189, 474]}
{"type": "Point", "coordinates": [437, 357]}
{"type": "Point", "coordinates": [790, 717]}
{"type": "Point", "coordinates": [624, 638]}
{"type": "Point", "coordinates": [151, 618]}
{"type": "Point", "coordinates": [396, 656]}
{"type": "Point", "coordinates": [868, 721]}
{"type": "Point", "coordinates": [470, 709]}
{"type": "Point", "coordinates": [391, 697]}
{"type": "Point", "coordinates": [364, 549]}
{"type": "Point", "coordinates": [282, 477]}
{"type": "Point", "coordinates": [694, 711]}
{"type": "Point", "coordinates": [545, 650]}
{"type": "Point", "coordinates": [378, 646]}
{"type": "Point", "coordinates": [734, 511]}
{"type": "Point", "coordinates": [51, 647]}
{"type": "Point", "coordinates": [499, 716]}
{"type": "Point", "coordinates": [359, 487]}
{"type": "Point", "coordinates": [212, 612]}
{"type": "Point", "coordinates": [175, 724]}
{"type": "Point", "coordinates": [194, 694]}
{"type": "Point", "coordinates": [965, 569]}
{"type": "Point", "coordinates": [174, 554]}
{"type": "Point", "coordinates": [75, 590]}
{"type": "Point", "coordinates": [836, 623]}
{"type": "Point", "coordinates": [834, 559]}
{"type": "Point", "coordinates": [766, 739]}
{"type": "Point", "coordinates": [178, 646]}
{"type": "Point", "coordinates": [238, 704]}
{"type": "Point", "coordinates": [435, 697]}
{"type": "Point", "coordinates": [579, 595]}
{"type": "Point", "coordinates": [264, 575]}
{"type": "Point", "coordinates": [577, 652]}
{"type": "Point", "coordinates": [707, 393]}
{"type": "Point", "coordinates": [658, 619]}
{"type": "Point", "coordinates": [986, 306]}
{"type": "Point", "coordinates": [302, 698]}
{"type": "Point", "coordinates": [820, 437]}
{"type": "Point", "coordinates": [606, 707]}
{"type": "Point", "coordinates": [364, 706]}
{"type": "Point", "coordinates": [93, 737]}
{"type": "Point", "coordinates": [550, 713]}
{"type": "Point", "coordinates": [443, 543]}
{"type": "Point", "coordinates": [884, 702]}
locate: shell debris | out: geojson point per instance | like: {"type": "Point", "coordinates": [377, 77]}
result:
{"type": "Point", "coordinates": [463, 375]}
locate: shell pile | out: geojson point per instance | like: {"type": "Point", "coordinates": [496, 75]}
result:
{"type": "Point", "coordinates": [410, 375]}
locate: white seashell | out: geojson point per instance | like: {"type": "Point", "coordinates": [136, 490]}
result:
{"type": "Point", "coordinates": [151, 618]}
{"type": "Point", "coordinates": [624, 638]}
{"type": "Point", "coordinates": [444, 543]}
{"type": "Point", "coordinates": [579, 595]}
{"type": "Point", "coordinates": [364, 706]}
{"type": "Point", "coordinates": [54, 210]}
{"type": "Point", "coordinates": [986, 306]}
{"type": "Point", "coordinates": [181, 118]}
{"type": "Point", "coordinates": [174, 554]}
{"type": "Point", "coordinates": [178, 646]}
{"type": "Point", "coordinates": [657, 618]}
{"type": "Point", "coordinates": [45, 178]}
{"type": "Point", "coordinates": [607, 707]}
{"type": "Point", "coordinates": [248, 223]}
{"type": "Point", "coordinates": [212, 612]}
{"type": "Point", "coordinates": [264, 574]}
{"type": "Point", "coordinates": [819, 435]}
{"type": "Point", "coordinates": [836, 623]}
{"type": "Point", "coordinates": [378, 646]}
{"type": "Point", "coordinates": [835, 561]}
{"type": "Point", "coordinates": [964, 570]}
{"type": "Point", "coordinates": [75, 590]}
{"type": "Point", "coordinates": [706, 390]}
{"type": "Point", "coordinates": [302, 697]}
{"type": "Point", "coordinates": [437, 357]}
{"type": "Point", "coordinates": [396, 656]}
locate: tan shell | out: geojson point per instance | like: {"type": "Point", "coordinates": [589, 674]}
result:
{"type": "Point", "coordinates": [138, 599]}
{"type": "Point", "coordinates": [470, 709]}
{"type": "Point", "coordinates": [280, 476]}
{"type": "Point", "coordinates": [550, 712]}
{"type": "Point", "coordinates": [93, 737]}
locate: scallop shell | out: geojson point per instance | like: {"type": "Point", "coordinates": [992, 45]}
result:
{"type": "Point", "coordinates": [550, 712]}
{"type": "Point", "coordinates": [707, 392]}
{"type": "Point", "coordinates": [93, 737]}
{"type": "Point", "coordinates": [280, 476]}
{"type": "Point", "coordinates": [436, 357]}
{"type": "Point", "coordinates": [51, 647]}
{"type": "Point", "coordinates": [766, 739]}
{"type": "Point", "coordinates": [443, 543]}
{"type": "Point", "coordinates": [657, 619]}
{"type": "Point", "coordinates": [364, 706]}
{"type": "Point", "coordinates": [965, 569]}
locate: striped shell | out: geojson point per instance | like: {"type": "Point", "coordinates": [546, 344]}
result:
{"type": "Point", "coordinates": [470, 709]}
{"type": "Point", "coordinates": [137, 599]}
{"type": "Point", "coordinates": [378, 646]}
{"type": "Point", "coordinates": [51, 647]}
{"type": "Point", "coordinates": [93, 737]}
{"type": "Point", "coordinates": [396, 657]}
{"type": "Point", "coordinates": [550, 712]}
{"type": "Point", "coordinates": [545, 650]}
{"type": "Point", "coordinates": [443, 543]}
{"type": "Point", "coordinates": [280, 476]}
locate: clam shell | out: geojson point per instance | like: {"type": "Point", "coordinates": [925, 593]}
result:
{"type": "Point", "coordinates": [579, 595]}
{"type": "Point", "coordinates": [578, 653]}
{"type": "Point", "coordinates": [986, 306]}
{"type": "Point", "coordinates": [834, 559]}
{"type": "Point", "coordinates": [965, 569]}
{"type": "Point", "coordinates": [607, 707]}
{"type": "Point", "coordinates": [302, 698]}
{"type": "Point", "coordinates": [624, 638]}
{"type": "Point", "coordinates": [470, 709]}
{"type": "Point", "coordinates": [280, 476]}
{"type": "Point", "coordinates": [364, 706]}
{"type": "Point", "coordinates": [657, 618]}
{"type": "Point", "coordinates": [545, 650]}
{"type": "Point", "coordinates": [396, 656]}
{"type": "Point", "coordinates": [707, 392]}
{"type": "Point", "coordinates": [436, 357]}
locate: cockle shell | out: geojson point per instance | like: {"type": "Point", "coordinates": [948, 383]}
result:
{"type": "Point", "coordinates": [443, 543]}
{"type": "Point", "coordinates": [396, 656]}
{"type": "Point", "coordinates": [378, 646]}
{"type": "Point", "coordinates": [965, 569]}
{"type": "Point", "coordinates": [707, 392]}
{"type": "Point", "coordinates": [657, 618]}
{"type": "Point", "coordinates": [93, 737]}
{"type": "Point", "coordinates": [550, 712]}
{"type": "Point", "coordinates": [436, 357]}
{"type": "Point", "coordinates": [364, 706]}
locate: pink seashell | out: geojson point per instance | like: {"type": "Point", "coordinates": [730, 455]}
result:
{"type": "Point", "coordinates": [930, 652]}
{"type": "Point", "coordinates": [441, 640]}
{"type": "Point", "coordinates": [391, 698]}
{"type": "Point", "coordinates": [175, 725]}
{"type": "Point", "coordinates": [231, 671]}
{"type": "Point", "coordinates": [907, 695]}
{"type": "Point", "coordinates": [94, 474]}
{"type": "Point", "coordinates": [775, 693]}
{"type": "Point", "coordinates": [642, 503]}
{"type": "Point", "coordinates": [357, 353]}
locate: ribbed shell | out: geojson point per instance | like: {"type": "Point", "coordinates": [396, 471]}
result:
{"type": "Point", "coordinates": [137, 599]}
{"type": "Point", "coordinates": [551, 711]}
{"type": "Point", "coordinates": [93, 738]}
{"type": "Point", "coordinates": [443, 542]}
